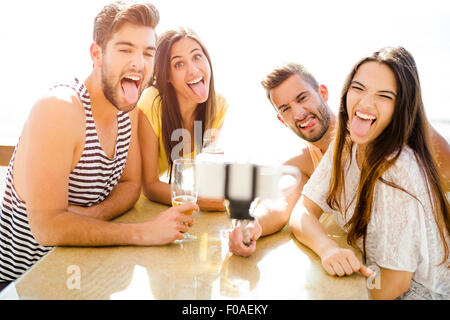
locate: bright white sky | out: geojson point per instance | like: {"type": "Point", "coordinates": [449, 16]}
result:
{"type": "Point", "coordinates": [46, 41]}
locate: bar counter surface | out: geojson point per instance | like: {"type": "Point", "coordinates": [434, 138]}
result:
{"type": "Point", "coordinates": [281, 267]}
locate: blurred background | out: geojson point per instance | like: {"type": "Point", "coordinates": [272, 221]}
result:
{"type": "Point", "coordinates": [45, 42]}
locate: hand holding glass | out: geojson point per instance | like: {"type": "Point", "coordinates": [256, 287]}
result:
{"type": "Point", "coordinates": [184, 185]}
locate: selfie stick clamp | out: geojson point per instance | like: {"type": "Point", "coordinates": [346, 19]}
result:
{"type": "Point", "coordinates": [240, 209]}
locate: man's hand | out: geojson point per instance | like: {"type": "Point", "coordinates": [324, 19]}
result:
{"type": "Point", "coordinates": [341, 262]}
{"type": "Point", "coordinates": [168, 226]}
{"type": "Point", "coordinates": [235, 241]}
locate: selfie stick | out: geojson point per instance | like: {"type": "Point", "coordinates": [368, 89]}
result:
{"type": "Point", "coordinates": [240, 209]}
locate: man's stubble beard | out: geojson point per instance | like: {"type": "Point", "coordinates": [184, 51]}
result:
{"type": "Point", "coordinates": [323, 119]}
{"type": "Point", "coordinates": [109, 92]}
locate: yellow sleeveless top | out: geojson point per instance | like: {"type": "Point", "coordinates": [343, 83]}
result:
{"type": "Point", "coordinates": [150, 104]}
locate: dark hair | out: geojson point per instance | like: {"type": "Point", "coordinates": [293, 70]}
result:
{"type": "Point", "coordinates": [283, 72]}
{"type": "Point", "coordinates": [408, 126]}
{"type": "Point", "coordinates": [114, 15]}
{"type": "Point", "coordinates": [171, 118]}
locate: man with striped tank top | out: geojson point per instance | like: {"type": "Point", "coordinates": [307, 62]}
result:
{"type": "Point", "coordinates": [301, 105]}
{"type": "Point", "coordinates": [77, 164]}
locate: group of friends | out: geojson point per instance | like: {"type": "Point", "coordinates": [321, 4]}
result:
{"type": "Point", "coordinates": [90, 147]}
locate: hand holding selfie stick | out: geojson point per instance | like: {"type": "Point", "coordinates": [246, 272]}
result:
{"type": "Point", "coordinates": [240, 209]}
{"type": "Point", "coordinates": [241, 184]}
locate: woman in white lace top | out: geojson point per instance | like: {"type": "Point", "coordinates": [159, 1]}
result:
{"type": "Point", "coordinates": [380, 179]}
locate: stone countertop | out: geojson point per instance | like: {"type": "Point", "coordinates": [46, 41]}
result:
{"type": "Point", "coordinates": [281, 267]}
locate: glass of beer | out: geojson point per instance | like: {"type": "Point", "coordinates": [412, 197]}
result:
{"type": "Point", "coordinates": [183, 186]}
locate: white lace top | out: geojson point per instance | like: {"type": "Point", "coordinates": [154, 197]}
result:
{"type": "Point", "coordinates": [402, 233]}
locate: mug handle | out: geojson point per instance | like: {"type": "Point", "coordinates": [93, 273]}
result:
{"type": "Point", "coordinates": [294, 172]}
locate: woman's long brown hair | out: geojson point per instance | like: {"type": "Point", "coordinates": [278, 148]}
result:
{"type": "Point", "coordinates": [171, 118]}
{"type": "Point", "coordinates": [408, 126]}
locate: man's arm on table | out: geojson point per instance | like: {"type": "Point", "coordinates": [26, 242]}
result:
{"type": "Point", "coordinates": [52, 136]}
{"type": "Point", "coordinates": [127, 191]}
{"type": "Point", "coordinates": [272, 215]}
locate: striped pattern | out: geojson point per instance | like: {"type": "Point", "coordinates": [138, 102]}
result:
{"type": "Point", "coordinates": [90, 183]}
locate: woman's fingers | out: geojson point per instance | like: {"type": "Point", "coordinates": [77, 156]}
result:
{"type": "Point", "coordinates": [343, 262]}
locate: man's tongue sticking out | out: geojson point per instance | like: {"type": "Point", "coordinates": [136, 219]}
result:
{"type": "Point", "coordinates": [130, 91]}
{"type": "Point", "coordinates": [360, 126]}
{"type": "Point", "coordinates": [199, 89]}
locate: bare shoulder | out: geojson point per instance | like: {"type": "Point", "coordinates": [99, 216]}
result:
{"type": "Point", "coordinates": [440, 144]}
{"type": "Point", "coordinates": [61, 103]}
{"type": "Point", "coordinates": [53, 133]}
{"type": "Point", "coordinates": [442, 150]}
{"type": "Point", "coordinates": [58, 112]}
{"type": "Point", "coordinates": [302, 161]}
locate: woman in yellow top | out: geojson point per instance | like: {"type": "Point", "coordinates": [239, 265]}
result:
{"type": "Point", "coordinates": [181, 97]}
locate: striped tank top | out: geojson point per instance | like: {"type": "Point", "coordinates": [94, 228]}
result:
{"type": "Point", "coordinates": [92, 180]}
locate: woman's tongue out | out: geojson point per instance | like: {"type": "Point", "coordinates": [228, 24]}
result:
{"type": "Point", "coordinates": [130, 91]}
{"type": "Point", "coordinates": [199, 89]}
{"type": "Point", "coordinates": [360, 126]}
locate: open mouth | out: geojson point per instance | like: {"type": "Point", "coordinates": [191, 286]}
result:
{"type": "Point", "coordinates": [362, 122]}
{"type": "Point", "coordinates": [309, 122]}
{"type": "Point", "coordinates": [366, 116]}
{"type": "Point", "coordinates": [198, 87]}
{"type": "Point", "coordinates": [194, 82]}
{"type": "Point", "coordinates": [130, 87]}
